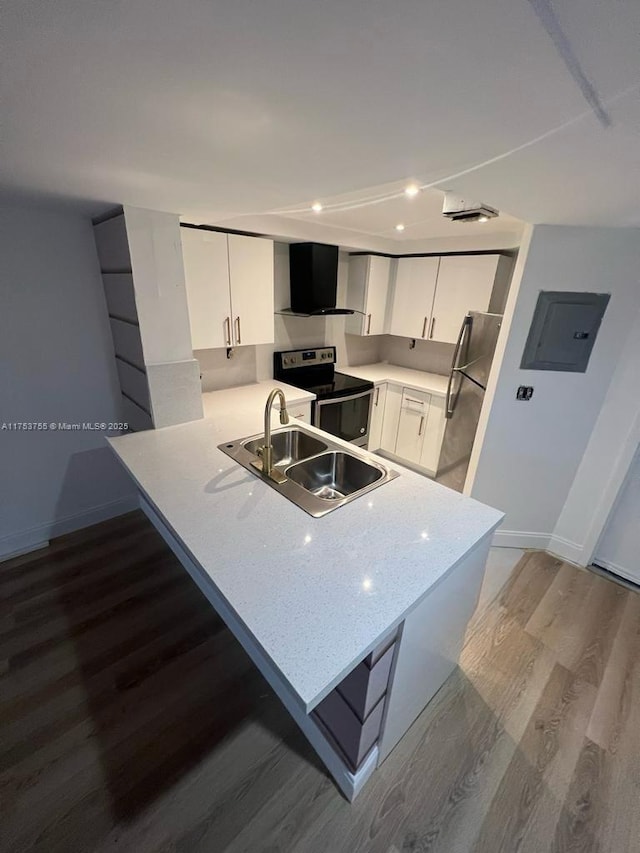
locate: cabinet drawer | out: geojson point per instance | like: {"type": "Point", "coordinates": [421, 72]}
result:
{"type": "Point", "coordinates": [354, 737]}
{"type": "Point", "coordinates": [415, 401]}
{"type": "Point", "coordinates": [365, 686]}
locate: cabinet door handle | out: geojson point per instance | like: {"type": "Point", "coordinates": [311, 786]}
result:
{"type": "Point", "coordinates": [238, 337]}
{"type": "Point", "coordinates": [433, 325]}
{"type": "Point", "coordinates": [368, 324]}
{"type": "Point", "coordinates": [421, 425]}
{"type": "Point", "coordinates": [424, 327]}
{"type": "Point", "coordinates": [227, 323]}
{"type": "Point", "coordinates": [377, 394]}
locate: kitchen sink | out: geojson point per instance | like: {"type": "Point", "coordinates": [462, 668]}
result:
{"type": "Point", "coordinates": [315, 473]}
{"type": "Point", "coordinates": [289, 446]}
{"type": "Point", "coordinates": [335, 475]}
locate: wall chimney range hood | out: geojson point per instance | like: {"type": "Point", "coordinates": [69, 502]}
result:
{"type": "Point", "coordinates": [313, 274]}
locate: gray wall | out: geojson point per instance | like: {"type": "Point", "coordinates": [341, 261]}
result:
{"type": "Point", "coordinates": [532, 451]}
{"type": "Point", "coordinates": [56, 364]}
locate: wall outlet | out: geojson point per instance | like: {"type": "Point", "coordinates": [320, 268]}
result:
{"type": "Point", "coordinates": [525, 392]}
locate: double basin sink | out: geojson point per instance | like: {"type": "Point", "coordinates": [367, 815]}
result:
{"type": "Point", "coordinates": [318, 474]}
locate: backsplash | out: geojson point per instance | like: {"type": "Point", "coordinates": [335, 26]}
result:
{"type": "Point", "coordinates": [430, 356]}
{"type": "Point", "coordinates": [219, 372]}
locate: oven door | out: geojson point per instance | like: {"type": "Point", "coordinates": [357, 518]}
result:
{"type": "Point", "coordinates": [346, 417]}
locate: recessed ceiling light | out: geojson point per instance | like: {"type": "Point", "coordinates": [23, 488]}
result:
{"type": "Point", "coordinates": [399, 227]}
{"type": "Point", "coordinates": [483, 219]}
{"type": "Point", "coordinates": [316, 207]}
{"type": "Point", "coordinates": [411, 190]}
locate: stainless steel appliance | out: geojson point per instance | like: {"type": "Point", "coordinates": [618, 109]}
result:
{"type": "Point", "coordinates": [470, 368]}
{"type": "Point", "coordinates": [343, 403]}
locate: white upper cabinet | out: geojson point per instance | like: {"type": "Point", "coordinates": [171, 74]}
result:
{"type": "Point", "coordinates": [229, 281]}
{"type": "Point", "coordinates": [465, 283]}
{"type": "Point", "coordinates": [412, 304]}
{"type": "Point", "coordinates": [367, 293]}
{"type": "Point", "coordinates": [251, 280]}
{"type": "Point", "coordinates": [206, 272]}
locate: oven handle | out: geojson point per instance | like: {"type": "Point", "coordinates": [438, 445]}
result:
{"type": "Point", "coordinates": [344, 399]}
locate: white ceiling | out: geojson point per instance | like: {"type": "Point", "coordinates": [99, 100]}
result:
{"type": "Point", "coordinates": [378, 211]}
{"type": "Point", "coordinates": [368, 220]}
{"type": "Point", "coordinates": [217, 110]}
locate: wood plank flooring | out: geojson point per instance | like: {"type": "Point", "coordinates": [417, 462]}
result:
{"type": "Point", "coordinates": [131, 720]}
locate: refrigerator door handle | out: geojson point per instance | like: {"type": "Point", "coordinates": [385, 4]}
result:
{"type": "Point", "coordinates": [448, 408]}
{"type": "Point", "coordinates": [466, 323]}
{"type": "Point", "coordinates": [450, 404]}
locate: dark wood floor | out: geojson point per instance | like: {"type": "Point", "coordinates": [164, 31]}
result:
{"type": "Point", "coordinates": [131, 720]}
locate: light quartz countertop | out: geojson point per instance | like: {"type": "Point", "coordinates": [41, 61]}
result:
{"type": "Point", "coordinates": [315, 594]}
{"type": "Point", "coordinates": [250, 397]}
{"type": "Point", "coordinates": [418, 380]}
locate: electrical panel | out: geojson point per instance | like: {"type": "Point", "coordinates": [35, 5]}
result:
{"type": "Point", "coordinates": [563, 331]}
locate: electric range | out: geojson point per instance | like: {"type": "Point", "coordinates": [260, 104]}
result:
{"type": "Point", "coordinates": [343, 403]}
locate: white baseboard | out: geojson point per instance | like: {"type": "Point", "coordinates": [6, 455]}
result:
{"type": "Point", "coordinates": [520, 539]}
{"type": "Point", "coordinates": [567, 550]}
{"type": "Point", "coordinates": [24, 549]}
{"type": "Point", "coordinates": [39, 536]}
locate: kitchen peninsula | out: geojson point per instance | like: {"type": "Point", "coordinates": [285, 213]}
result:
{"type": "Point", "coordinates": [356, 618]}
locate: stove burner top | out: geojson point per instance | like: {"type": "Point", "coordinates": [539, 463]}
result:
{"type": "Point", "coordinates": [314, 371]}
{"type": "Point", "coordinates": [340, 385]}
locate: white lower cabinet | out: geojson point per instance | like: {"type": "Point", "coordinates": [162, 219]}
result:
{"type": "Point", "coordinates": [413, 427]}
{"type": "Point", "coordinates": [433, 435]}
{"type": "Point", "coordinates": [377, 417]}
{"type": "Point", "coordinates": [300, 412]}
{"type": "Point", "coordinates": [391, 420]}
{"type": "Point", "coordinates": [414, 413]}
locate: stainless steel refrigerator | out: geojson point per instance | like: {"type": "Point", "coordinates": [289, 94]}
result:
{"type": "Point", "coordinates": [470, 368]}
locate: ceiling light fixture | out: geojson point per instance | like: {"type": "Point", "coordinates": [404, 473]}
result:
{"type": "Point", "coordinates": [399, 227]}
{"type": "Point", "coordinates": [316, 207]}
{"type": "Point", "coordinates": [483, 219]}
{"type": "Point", "coordinates": [412, 190]}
